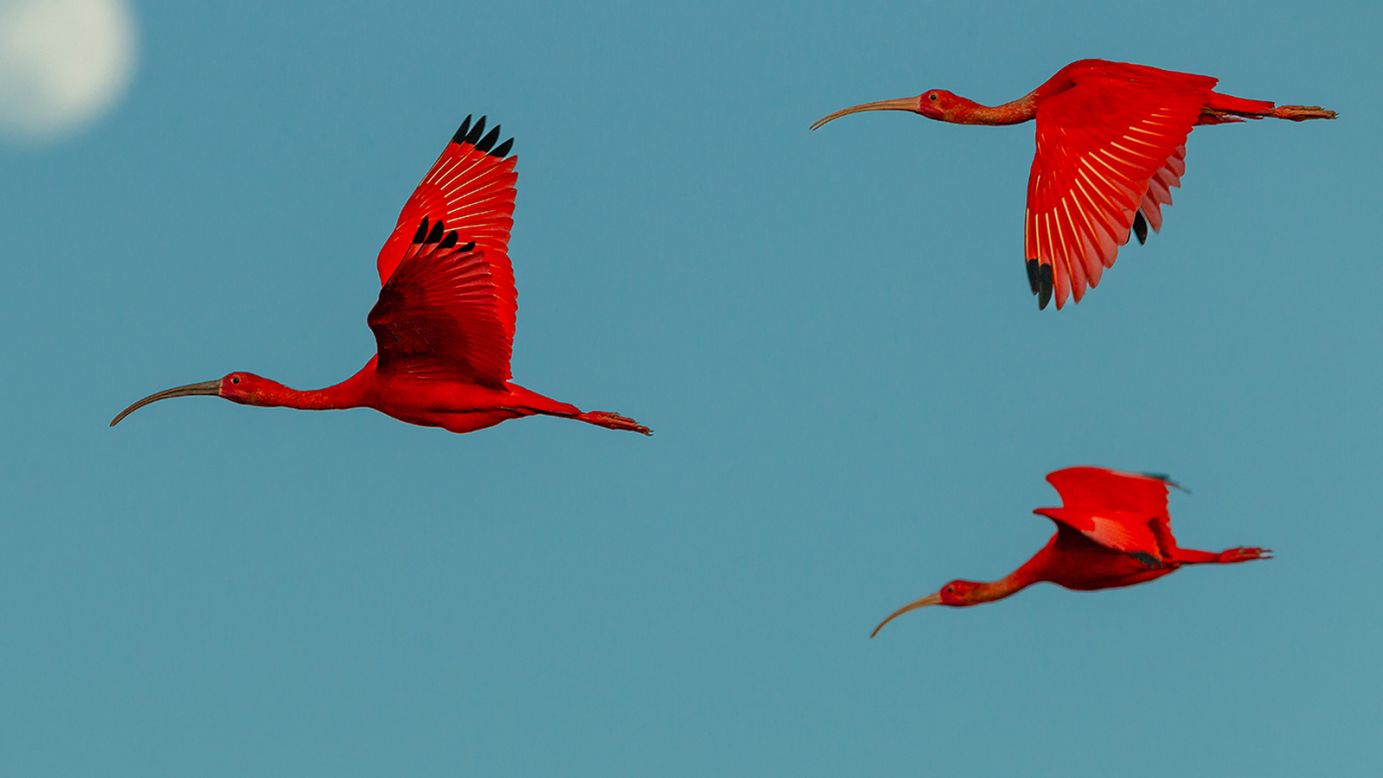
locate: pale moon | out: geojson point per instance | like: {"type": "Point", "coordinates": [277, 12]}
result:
{"type": "Point", "coordinates": [63, 63]}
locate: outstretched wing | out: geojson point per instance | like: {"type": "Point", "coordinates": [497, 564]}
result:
{"type": "Point", "coordinates": [1123, 511]}
{"type": "Point", "coordinates": [437, 317]}
{"type": "Point", "coordinates": [453, 320]}
{"type": "Point", "coordinates": [471, 189]}
{"type": "Point", "coordinates": [1109, 150]}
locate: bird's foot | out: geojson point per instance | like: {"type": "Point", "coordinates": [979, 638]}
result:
{"type": "Point", "coordinates": [1300, 113]}
{"type": "Point", "coordinates": [614, 421]}
{"type": "Point", "coordinates": [1244, 554]}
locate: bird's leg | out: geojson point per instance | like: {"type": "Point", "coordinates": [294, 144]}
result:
{"type": "Point", "coordinates": [1222, 108]}
{"type": "Point", "coordinates": [1300, 113]}
{"type": "Point", "coordinates": [1191, 556]}
{"type": "Point", "coordinates": [530, 402]}
{"type": "Point", "coordinates": [1244, 554]}
{"type": "Point", "coordinates": [613, 421]}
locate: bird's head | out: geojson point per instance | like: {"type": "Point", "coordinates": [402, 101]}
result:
{"type": "Point", "coordinates": [934, 104]}
{"type": "Point", "coordinates": [240, 387]}
{"type": "Point", "coordinates": [956, 594]}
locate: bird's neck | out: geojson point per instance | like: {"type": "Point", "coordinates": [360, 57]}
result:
{"type": "Point", "coordinates": [350, 393]}
{"type": "Point", "coordinates": [1014, 112]}
{"type": "Point", "coordinates": [327, 399]}
{"type": "Point", "coordinates": [1014, 582]}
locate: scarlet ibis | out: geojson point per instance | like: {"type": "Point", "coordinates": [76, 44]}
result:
{"type": "Point", "coordinates": [1111, 145]}
{"type": "Point", "coordinates": [1112, 529]}
{"type": "Point", "coordinates": [444, 321]}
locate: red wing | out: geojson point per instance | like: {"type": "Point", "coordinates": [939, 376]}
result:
{"type": "Point", "coordinates": [1123, 511]}
{"type": "Point", "coordinates": [470, 188]}
{"type": "Point", "coordinates": [438, 314]}
{"type": "Point", "coordinates": [1097, 488]}
{"type": "Point", "coordinates": [1127, 532]}
{"type": "Point", "coordinates": [1109, 149]}
{"type": "Point", "coordinates": [1160, 193]}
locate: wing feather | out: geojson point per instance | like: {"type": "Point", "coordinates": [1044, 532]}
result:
{"type": "Point", "coordinates": [470, 188]}
{"type": "Point", "coordinates": [1109, 147]}
{"type": "Point", "coordinates": [435, 318]}
{"type": "Point", "coordinates": [447, 301]}
{"type": "Point", "coordinates": [1123, 511]}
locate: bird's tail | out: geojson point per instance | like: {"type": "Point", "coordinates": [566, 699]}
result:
{"type": "Point", "coordinates": [612, 421]}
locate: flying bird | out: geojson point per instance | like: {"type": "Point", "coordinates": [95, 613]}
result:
{"type": "Point", "coordinates": [1112, 529]}
{"type": "Point", "coordinates": [444, 322]}
{"type": "Point", "coordinates": [1111, 145]}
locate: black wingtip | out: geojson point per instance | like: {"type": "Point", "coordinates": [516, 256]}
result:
{"type": "Point", "coordinates": [468, 247]}
{"type": "Point", "coordinates": [435, 234]}
{"type": "Point", "coordinates": [1044, 293]}
{"type": "Point", "coordinates": [422, 231]}
{"type": "Point", "coordinates": [1140, 227]}
{"type": "Point", "coordinates": [1149, 561]}
{"type": "Point", "coordinates": [475, 135]}
{"type": "Point", "coordinates": [1167, 479]}
{"type": "Point", "coordinates": [488, 142]}
{"type": "Point", "coordinates": [448, 241]}
{"type": "Point", "coordinates": [477, 130]}
{"type": "Point", "coordinates": [462, 130]}
{"type": "Point", "coordinates": [1032, 275]}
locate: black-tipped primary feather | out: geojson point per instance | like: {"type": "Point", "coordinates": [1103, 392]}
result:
{"type": "Point", "coordinates": [422, 231]}
{"type": "Point", "coordinates": [1140, 227]}
{"type": "Point", "coordinates": [462, 130]}
{"type": "Point", "coordinates": [1045, 292]}
{"type": "Point", "coordinates": [436, 233]}
{"type": "Point", "coordinates": [1149, 561]}
{"type": "Point", "coordinates": [1167, 479]}
{"type": "Point", "coordinates": [488, 142]}
{"type": "Point", "coordinates": [1032, 275]}
{"type": "Point", "coordinates": [449, 241]}
{"type": "Point", "coordinates": [502, 149]}
{"type": "Point", "coordinates": [468, 247]}
{"type": "Point", "coordinates": [474, 135]}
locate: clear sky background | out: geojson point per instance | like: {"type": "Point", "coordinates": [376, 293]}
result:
{"type": "Point", "coordinates": [854, 396]}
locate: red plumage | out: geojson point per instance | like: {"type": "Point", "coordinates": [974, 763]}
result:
{"type": "Point", "coordinates": [1112, 530]}
{"type": "Point", "coordinates": [444, 322]}
{"type": "Point", "coordinates": [1111, 145]}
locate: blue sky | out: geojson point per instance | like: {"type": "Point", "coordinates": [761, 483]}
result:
{"type": "Point", "coordinates": [854, 396]}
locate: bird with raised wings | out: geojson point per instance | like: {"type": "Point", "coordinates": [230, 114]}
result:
{"type": "Point", "coordinates": [1111, 145]}
{"type": "Point", "coordinates": [444, 321]}
{"type": "Point", "coordinates": [1112, 530]}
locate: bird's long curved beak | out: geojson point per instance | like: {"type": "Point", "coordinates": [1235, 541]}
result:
{"type": "Point", "coordinates": [931, 599]}
{"type": "Point", "coordinates": [203, 387]}
{"type": "Point", "coordinates": [900, 104]}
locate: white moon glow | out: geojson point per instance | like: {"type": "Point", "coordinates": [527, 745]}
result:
{"type": "Point", "coordinates": [62, 63]}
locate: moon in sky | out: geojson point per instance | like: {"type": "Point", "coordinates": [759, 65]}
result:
{"type": "Point", "coordinates": [63, 63]}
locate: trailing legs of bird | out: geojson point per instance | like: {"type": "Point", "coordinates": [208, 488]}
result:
{"type": "Point", "coordinates": [1191, 556]}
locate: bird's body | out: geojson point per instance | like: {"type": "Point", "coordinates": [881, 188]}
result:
{"type": "Point", "coordinates": [444, 322]}
{"type": "Point", "coordinates": [1112, 530]}
{"type": "Point", "coordinates": [1111, 145]}
{"type": "Point", "coordinates": [455, 406]}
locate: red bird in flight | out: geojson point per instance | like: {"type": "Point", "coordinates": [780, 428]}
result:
{"type": "Point", "coordinates": [1111, 144]}
{"type": "Point", "coordinates": [1112, 529]}
{"type": "Point", "coordinates": [444, 322]}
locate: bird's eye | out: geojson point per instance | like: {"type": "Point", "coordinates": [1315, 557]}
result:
{"type": "Point", "coordinates": [932, 97]}
{"type": "Point", "coordinates": [950, 589]}
{"type": "Point", "coordinates": [235, 379]}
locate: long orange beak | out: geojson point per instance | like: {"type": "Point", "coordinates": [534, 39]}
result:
{"type": "Point", "coordinates": [204, 387]}
{"type": "Point", "coordinates": [900, 104]}
{"type": "Point", "coordinates": [931, 599]}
